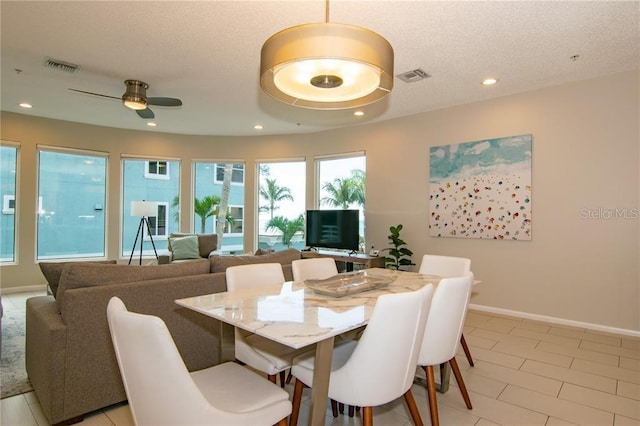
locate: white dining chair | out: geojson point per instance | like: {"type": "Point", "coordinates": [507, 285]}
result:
{"type": "Point", "coordinates": [448, 266]}
{"type": "Point", "coordinates": [317, 268]}
{"type": "Point", "coordinates": [161, 391]}
{"type": "Point", "coordinates": [262, 354]}
{"type": "Point", "coordinates": [442, 333]}
{"type": "Point", "coordinates": [379, 367]}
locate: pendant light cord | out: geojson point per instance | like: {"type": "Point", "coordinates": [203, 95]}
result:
{"type": "Point", "coordinates": [326, 12]}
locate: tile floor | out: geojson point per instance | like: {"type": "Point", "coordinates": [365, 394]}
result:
{"type": "Point", "coordinates": [526, 373]}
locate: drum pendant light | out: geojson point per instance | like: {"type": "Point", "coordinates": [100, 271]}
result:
{"type": "Point", "coordinates": [326, 66]}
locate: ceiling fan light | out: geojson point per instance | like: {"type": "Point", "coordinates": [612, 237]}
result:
{"type": "Point", "coordinates": [135, 97]}
{"type": "Point", "coordinates": [136, 104]}
{"type": "Point", "coordinates": [326, 66]}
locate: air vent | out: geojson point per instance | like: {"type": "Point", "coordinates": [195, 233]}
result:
{"type": "Point", "coordinates": [61, 65]}
{"type": "Point", "coordinates": [413, 76]}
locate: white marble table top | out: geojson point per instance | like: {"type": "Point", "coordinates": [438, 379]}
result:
{"type": "Point", "coordinates": [294, 315]}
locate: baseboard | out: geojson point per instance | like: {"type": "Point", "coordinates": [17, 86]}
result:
{"type": "Point", "coordinates": [554, 320]}
{"type": "Point", "coordinates": [23, 289]}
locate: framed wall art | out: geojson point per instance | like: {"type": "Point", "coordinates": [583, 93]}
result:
{"type": "Point", "coordinates": [481, 189]}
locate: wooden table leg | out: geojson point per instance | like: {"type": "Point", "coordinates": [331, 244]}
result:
{"type": "Point", "coordinates": [320, 388]}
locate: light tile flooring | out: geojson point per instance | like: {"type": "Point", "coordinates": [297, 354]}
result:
{"type": "Point", "coordinates": [526, 373]}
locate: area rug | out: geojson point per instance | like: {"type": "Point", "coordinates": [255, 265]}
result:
{"type": "Point", "coordinates": [13, 374]}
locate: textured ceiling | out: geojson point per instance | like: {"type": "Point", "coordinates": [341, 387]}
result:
{"type": "Point", "coordinates": [207, 53]}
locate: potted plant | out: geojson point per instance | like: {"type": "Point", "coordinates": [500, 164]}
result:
{"type": "Point", "coordinates": [399, 256]}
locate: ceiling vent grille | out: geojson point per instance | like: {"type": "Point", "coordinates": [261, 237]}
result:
{"type": "Point", "coordinates": [61, 65]}
{"type": "Point", "coordinates": [413, 76]}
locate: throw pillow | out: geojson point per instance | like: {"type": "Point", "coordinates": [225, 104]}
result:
{"type": "Point", "coordinates": [206, 242]}
{"type": "Point", "coordinates": [185, 247]}
{"type": "Point", "coordinates": [53, 270]}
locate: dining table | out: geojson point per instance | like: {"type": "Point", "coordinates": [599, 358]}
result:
{"type": "Point", "coordinates": [301, 314]}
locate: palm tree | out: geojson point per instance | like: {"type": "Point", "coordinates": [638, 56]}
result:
{"type": "Point", "coordinates": [358, 176]}
{"type": "Point", "coordinates": [176, 204]}
{"type": "Point", "coordinates": [206, 208]}
{"type": "Point", "coordinates": [223, 207]}
{"type": "Point", "coordinates": [288, 227]}
{"type": "Point", "coordinates": [345, 191]}
{"type": "Point", "coordinates": [273, 194]}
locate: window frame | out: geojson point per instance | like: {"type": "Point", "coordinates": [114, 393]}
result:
{"type": "Point", "coordinates": [40, 210]}
{"type": "Point", "coordinates": [258, 164]}
{"type": "Point", "coordinates": [318, 192]}
{"type": "Point", "coordinates": [13, 260]}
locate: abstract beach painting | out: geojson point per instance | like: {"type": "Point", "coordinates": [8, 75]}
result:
{"type": "Point", "coordinates": [481, 189]}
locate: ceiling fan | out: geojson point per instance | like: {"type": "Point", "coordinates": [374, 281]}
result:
{"type": "Point", "coordinates": [135, 97]}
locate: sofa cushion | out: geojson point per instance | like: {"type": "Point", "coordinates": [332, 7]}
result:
{"type": "Point", "coordinates": [52, 271]}
{"type": "Point", "coordinates": [206, 242]}
{"type": "Point", "coordinates": [220, 263]}
{"type": "Point", "coordinates": [76, 276]}
{"type": "Point", "coordinates": [184, 247]}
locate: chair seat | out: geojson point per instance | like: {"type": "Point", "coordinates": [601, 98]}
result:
{"type": "Point", "coordinates": [243, 392]}
{"type": "Point", "coordinates": [379, 367]}
{"type": "Point", "coordinates": [264, 354]}
{"type": "Point", "coordinates": [303, 365]}
{"type": "Point", "coordinates": [161, 391]}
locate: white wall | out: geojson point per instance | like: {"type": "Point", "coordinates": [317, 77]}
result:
{"type": "Point", "coordinates": [585, 156]}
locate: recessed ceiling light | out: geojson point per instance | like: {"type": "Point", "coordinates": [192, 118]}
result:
{"type": "Point", "coordinates": [258, 127]}
{"type": "Point", "coordinates": [26, 105]}
{"type": "Point", "coordinates": [358, 113]}
{"type": "Point", "coordinates": [151, 124]}
{"type": "Point", "coordinates": [489, 81]}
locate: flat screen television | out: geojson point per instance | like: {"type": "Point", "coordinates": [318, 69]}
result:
{"type": "Point", "coordinates": [335, 229]}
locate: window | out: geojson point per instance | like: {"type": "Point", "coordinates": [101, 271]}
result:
{"type": "Point", "coordinates": [156, 170]}
{"type": "Point", "coordinates": [158, 224]}
{"type": "Point", "coordinates": [235, 220]}
{"type": "Point", "coordinates": [72, 193]}
{"type": "Point", "coordinates": [281, 201]}
{"type": "Point", "coordinates": [210, 193]}
{"type": "Point", "coordinates": [8, 204]}
{"type": "Point", "coordinates": [150, 180]}
{"type": "Point", "coordinates": [237, 174]}
{"type": "Point", "coordinates": [341, 184]}
{"type": "Point", "coordinates": [8, 172]}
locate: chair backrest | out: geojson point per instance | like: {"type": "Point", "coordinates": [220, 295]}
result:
{"type": "Point", "coordinates": [158, 386]}
{"type": "Point", "coordinates": [446, 319]}
{"type": "Point", "coordinates": [444, 266]}
{"type": "Point", "coordinates": [383, 364]}
{"type": "Point", "coordinates": [317, 268]}
{"type": "Point", "coordinates": [254, 275]}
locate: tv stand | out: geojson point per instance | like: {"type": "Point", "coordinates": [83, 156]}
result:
{"type": "Point", "coordinates": [348, 258]}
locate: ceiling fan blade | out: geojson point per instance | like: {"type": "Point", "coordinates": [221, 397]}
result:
{"type": "Point", "coordinates": [145, 113]}
{"type": "Point", "coordinates": [95, 94]}
{"type": "Point", "coordinates": [168, 102]}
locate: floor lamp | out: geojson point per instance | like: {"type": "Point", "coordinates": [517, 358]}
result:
{"type": "Point", "coordinates": [143, 209]}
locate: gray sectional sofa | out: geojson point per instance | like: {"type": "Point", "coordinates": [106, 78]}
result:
{"type": "Point", "coordinates": [69, 355]}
